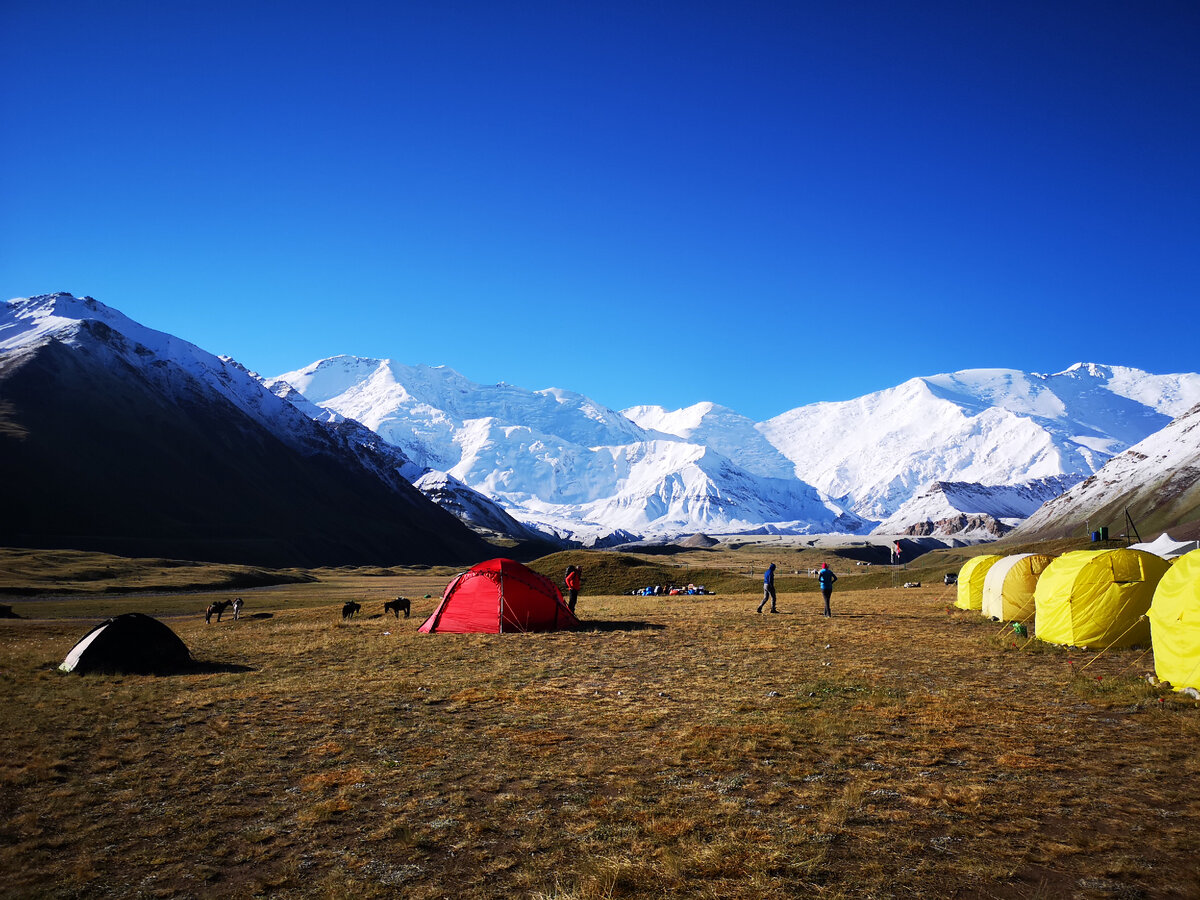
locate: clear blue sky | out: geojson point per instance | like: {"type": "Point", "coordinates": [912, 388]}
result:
{"type": "Point", "coordinates": [762, 204]}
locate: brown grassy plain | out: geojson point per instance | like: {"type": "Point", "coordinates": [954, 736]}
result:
{"type": "Point", "coordinates": [681, 747]}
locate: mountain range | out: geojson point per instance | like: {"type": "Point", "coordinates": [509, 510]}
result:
{"type": "Point", "coordinates": [970, 452]}
{"type": "Point", "coordinates": [133, 439]}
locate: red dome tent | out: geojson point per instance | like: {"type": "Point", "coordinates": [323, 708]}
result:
{"type": "Point", "coordinates": [500, 595]}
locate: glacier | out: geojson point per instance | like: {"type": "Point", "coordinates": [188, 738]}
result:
{"type": "Point", "coordinates": [566, 465]}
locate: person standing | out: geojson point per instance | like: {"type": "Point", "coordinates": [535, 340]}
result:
{"type": "Point", "coordinates": [826, 578]}
{"type": "Point", "coordinates": [572, 580]}
{"type": "Point", "coordinates": [768, 588]}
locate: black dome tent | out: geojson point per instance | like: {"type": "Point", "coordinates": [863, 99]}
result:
{"type": "Point", "coordinates": [129, 643]}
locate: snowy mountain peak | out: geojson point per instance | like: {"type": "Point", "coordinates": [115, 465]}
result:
{"type": "Point", "coordinates": [986, 426]}
{"type": "Point", "coordinates": [561, 462]}
{"type": "Point", "coordinates": [423, 408]}
{"type": "Point", "coordinates": [1079, 369]}
{"type": "Point", "coordinates": [28, 320]}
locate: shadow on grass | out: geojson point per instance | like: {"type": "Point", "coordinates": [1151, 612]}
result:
{"type": "Point", "coordinates": [599, 625]}
{"type": "Point", "coordinates": [195, 667]}
{"type": "Point", "coordinates": [208, 667]}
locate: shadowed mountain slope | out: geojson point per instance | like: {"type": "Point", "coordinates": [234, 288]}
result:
{"type": "Point", "coordinates": [111, 445]}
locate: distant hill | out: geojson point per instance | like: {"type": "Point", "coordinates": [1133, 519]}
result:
{"type": "Point", "coordinates": [117, 438]}
{"type": "Point", "coordinates": [1157, 480]}
{"type": "Point", "coordinates": [968, 510]}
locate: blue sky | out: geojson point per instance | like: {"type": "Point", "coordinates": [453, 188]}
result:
{"type": "Point", "coordinates": [762, 204]}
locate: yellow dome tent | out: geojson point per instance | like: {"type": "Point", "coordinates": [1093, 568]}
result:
{"type": "Point", "coordinates": [1009, 585]}
{"type": "Point", "coordinates": [970, 580]}
{"type": "Point", "coordinates": [1175, 623]}
{"type": "Point", "coordinates": [1098, 598]}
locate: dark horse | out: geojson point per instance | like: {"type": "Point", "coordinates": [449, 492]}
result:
{"type": "Point", "coordinates": [395, 606]}
{"type": "Point", "coordinates": [216, 608]}
{"type": "Point", "coordinates": [350, 609]}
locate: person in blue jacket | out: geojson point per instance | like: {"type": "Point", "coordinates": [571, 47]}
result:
{"type": "Point", "coordinates": [768, 588]}
{"type": "Point", "coordinates": [826, 578]}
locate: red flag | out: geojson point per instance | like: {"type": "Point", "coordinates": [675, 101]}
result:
{"type": "Point", "coordinates": [897, 549]}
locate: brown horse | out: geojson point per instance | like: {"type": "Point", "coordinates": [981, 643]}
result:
{"type": "Point", "coordinates": [395, 606]}
{"type": "Point", "coordinates": [349, 610]}
{"type": "Point", "coordinates": [216, 608]}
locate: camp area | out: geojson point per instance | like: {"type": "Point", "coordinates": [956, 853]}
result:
{"type": "Point", "coordinates": [667, 746]}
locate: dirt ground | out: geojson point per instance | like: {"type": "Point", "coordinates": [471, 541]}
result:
{"type": "Point", "coordinates": [671, 747]}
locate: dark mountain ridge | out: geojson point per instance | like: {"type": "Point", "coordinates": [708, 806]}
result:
{"type": "Point", "coordinates": [108, 445]}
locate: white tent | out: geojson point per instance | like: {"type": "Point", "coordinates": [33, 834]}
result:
{"type": "Point", "coordinates": [1009, 586]}
{"type": "Point", "coordinates": [1166, 546]}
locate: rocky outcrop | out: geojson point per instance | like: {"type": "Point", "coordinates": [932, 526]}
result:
{"type": "Point", "coordinates": [961, 525]}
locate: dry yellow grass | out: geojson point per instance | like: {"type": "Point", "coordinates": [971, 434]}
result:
{"type": "Point", "coordinates": [682, 747]}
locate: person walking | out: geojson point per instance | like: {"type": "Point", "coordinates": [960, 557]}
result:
{"type": "Point", "coordinates": [768, 588]}
{"type": "Point", "coordinates": [826, 578]}
{"type": "Point", "coordinates": [572, 580]}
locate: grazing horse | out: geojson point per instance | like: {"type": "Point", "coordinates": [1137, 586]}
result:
{"type": "Point", "coordinates": [216, 608]}
{"type": "Point", "coordinates": [349, 610]}
{"type": "Point", "coordinates": [394, 606]}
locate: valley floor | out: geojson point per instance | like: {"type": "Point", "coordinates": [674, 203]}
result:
{"type": "Point", "coordinates": [671, 748]}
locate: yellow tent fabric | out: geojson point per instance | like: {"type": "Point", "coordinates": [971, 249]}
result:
{"type": "Point", "coordinates": [970, 580]}
{"type": "Point", "coordinates": [1009, 586]}
{"type": "Point", "coordinates": [1097, 598]}
{"type": "Point", "coordinates": [1175, 623]}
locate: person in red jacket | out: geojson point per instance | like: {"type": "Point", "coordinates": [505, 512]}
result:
{"type": "Point", "coordinates": [572, 580]}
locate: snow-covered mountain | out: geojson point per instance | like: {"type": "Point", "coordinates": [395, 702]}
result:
{"type": "Point", "coordinates": [1156, 482]}
{"type": "Point", "coordinates": [117, 437]}
{"type": "Point", "coordinates": [1005, 440]}
{"type": "Point", "coordinates": [965, 509]}
{"type": "Point", "coordinates": [422, 408]}
{"type": "Point", "coordinates": [986, 426]}
{"type": "Point", "coordinates": [478, 511]}
{"type": "Point", "coordinates": [970, 451]}
{"type": "Point", "coordinates": [563, 463]}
